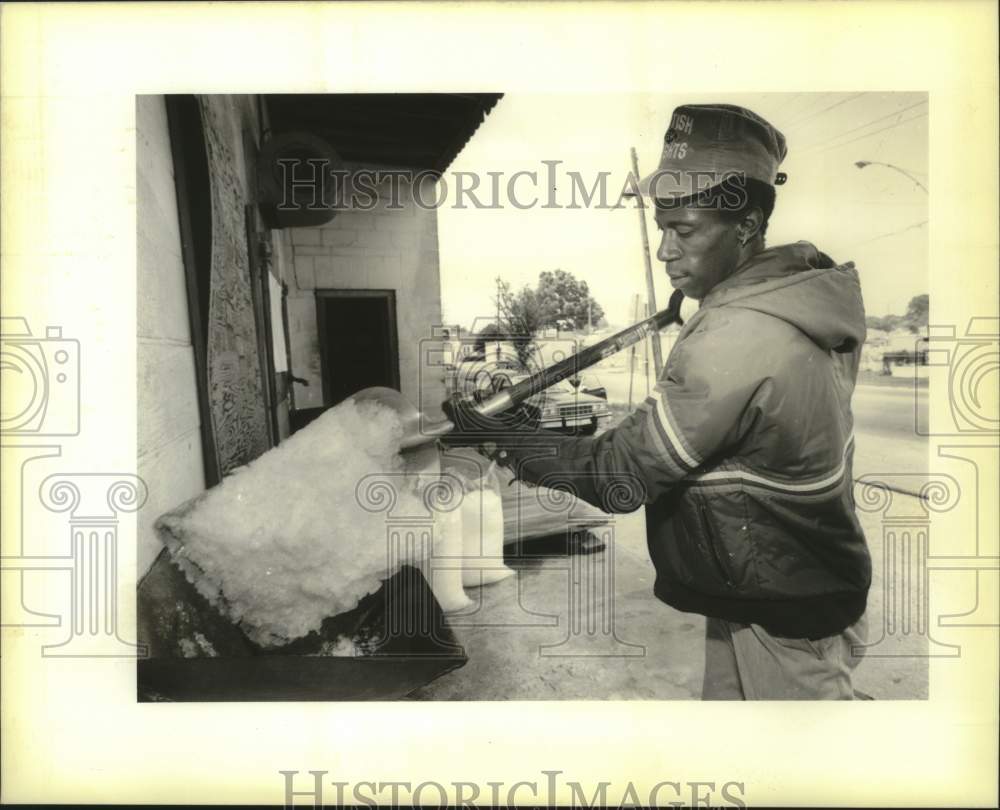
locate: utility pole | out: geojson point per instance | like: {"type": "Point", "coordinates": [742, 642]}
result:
{"type": "Point", "coordinates": [650, 289]}
{"type": "Point", "coordinates": [498, 318]}
{"type": "Point", "coordinates": [645, 359]}
{"type": "Point", "coordinates": [631, 353]}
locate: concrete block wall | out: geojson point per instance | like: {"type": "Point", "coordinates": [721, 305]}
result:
{"type": "Point", "coordinates": [169, 441]}
{"type": "Point", "coordinates": [378, 249]}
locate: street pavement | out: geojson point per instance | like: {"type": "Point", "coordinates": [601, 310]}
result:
{"type": "Point", "coordinates": [885, 431]}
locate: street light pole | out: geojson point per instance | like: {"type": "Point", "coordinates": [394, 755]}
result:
{"type": "Point", "coordinates": [863, 163]}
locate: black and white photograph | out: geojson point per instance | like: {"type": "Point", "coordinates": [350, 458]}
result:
{"type": "Point", "coordinates": [400, 448]}
{"type": "Point", "coordinates": [500, 404]}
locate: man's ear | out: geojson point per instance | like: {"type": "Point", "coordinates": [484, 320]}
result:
{"type": "Point", "coordinates": [750, 225]}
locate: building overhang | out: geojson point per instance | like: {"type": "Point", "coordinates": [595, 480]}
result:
{"type": "Point", "coordinates": [420, 131]}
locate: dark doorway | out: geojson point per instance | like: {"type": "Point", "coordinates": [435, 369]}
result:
{"type": "Point", "coordinates": [357, 341]}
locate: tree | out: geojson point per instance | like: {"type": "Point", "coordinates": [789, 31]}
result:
{"type": "Point", "coordinates": [917, 312]}
{"type": "Point", "coordinates": [915, 318]}
{"type": "Point", "coordinates": [559, 296]}
{"type": "Point", "coordinates": [490, 333]}
{"type": "Point", "coordinates": [568, 299]}
{"type": "Point", "coordinates": [522, 315]}
{"type": "Point", "coordinates": [886, 323]}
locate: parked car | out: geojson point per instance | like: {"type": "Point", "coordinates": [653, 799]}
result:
{"type": "Point", "coordinates": [564, 407]}
{"type": "Point", "coordinates": [571, 409]}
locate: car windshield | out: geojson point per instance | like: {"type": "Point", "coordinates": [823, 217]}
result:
{"type": "Point", "coordinates": [564, 387]}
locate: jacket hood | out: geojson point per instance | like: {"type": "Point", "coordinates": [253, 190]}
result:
{"type": "Point", "coordinates": [800, 285]}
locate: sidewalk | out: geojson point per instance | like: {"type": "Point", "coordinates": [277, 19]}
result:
{"type": "Point", "coordinates": [522, 645]}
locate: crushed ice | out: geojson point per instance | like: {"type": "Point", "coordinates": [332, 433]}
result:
{"type": "Point", "coordinates": [283, 543]}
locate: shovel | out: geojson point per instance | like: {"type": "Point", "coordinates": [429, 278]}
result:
{"type": "Point", "coordinates": [416, 445]}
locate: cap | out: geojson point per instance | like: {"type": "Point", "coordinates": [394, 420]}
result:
{"type": "Point", "coordinates": [708, 143]}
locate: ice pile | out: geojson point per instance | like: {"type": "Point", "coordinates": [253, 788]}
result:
{"type": "Point", "coordinates": [283, 542]}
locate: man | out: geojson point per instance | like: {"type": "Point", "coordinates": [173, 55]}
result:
{"type": "Point", "coordinates": [743, 455]}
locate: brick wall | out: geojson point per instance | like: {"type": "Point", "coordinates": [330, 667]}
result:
{"type": "Point", "coordinates": [380, 249]}
{"type": "Point", "coordinates": [169, 441]}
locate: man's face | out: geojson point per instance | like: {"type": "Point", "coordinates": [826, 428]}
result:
{"type": "Point", "coordinates": [699, 246]}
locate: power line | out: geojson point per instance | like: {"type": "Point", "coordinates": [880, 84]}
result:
{"type": "Point", "coordinates": [884, 117]}
{"type": "Point", "coordinates": [787, 102]}
{"type": "Point", "coordinates": [811, 103]}
{"type": "Point", "coordinates": [825, 109]}
{"type": "Point", "coordinates": [878, 120]}
{"type": "Point", "coordinates": [912, 227]}
{"type": "Point", "coordinates": [876, 132]}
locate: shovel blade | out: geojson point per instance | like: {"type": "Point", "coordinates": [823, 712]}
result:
{"type": "Point", "coordinates": [417, 445]}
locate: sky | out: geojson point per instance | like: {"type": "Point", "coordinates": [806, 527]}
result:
{"type": "Point", "coordinates": [876, 216]}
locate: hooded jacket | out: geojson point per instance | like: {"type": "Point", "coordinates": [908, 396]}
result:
{"type": "Point", "coordinates": [743, 455]}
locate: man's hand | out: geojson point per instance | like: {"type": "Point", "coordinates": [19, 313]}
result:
{"type": "Point", "coordinates": [473, 429]}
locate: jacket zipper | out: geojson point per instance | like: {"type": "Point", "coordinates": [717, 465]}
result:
{"type": "Point", "coordinates": [710, 540]}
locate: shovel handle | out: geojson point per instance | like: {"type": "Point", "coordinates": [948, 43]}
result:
{"type": "Point", "coordinates": [511, 397]}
